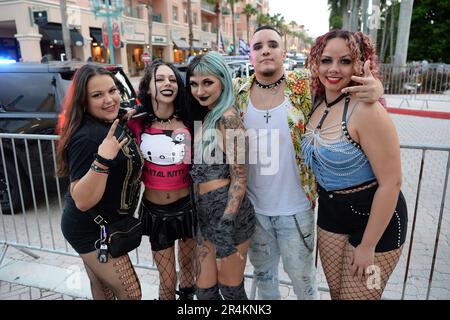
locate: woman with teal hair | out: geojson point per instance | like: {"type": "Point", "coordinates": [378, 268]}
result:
{"type": "Point", "coordinates": [225, 215]}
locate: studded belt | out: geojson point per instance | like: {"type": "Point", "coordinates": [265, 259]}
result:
{"type": "Point", "coordinates": [357, 189]}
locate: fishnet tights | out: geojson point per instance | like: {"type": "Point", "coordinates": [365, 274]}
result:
{"type": "Point", "coordinates": [165, 262]}
{"type": "Point", "coordinates": [336, 256]}
{"type": "Point", "coordinates": [115, 279]}
{"type": "Point", "coordinates": [186, 262]}
{"type": "Point", "coordinates": [331, 250]}
{"type": "Point", "coordinates": [372, 288]}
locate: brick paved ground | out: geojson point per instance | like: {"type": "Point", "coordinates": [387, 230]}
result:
{"type": "Point", "coordinates": [14, 291]}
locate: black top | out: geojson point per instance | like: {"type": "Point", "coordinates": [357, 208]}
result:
{"type": "Point", "coordinates": [204, 172]}
{"type": "Point", "coordinates": [123, 184]}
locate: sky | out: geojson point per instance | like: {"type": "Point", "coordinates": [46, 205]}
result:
{"type": "Point", "coordinates": [313, 14]}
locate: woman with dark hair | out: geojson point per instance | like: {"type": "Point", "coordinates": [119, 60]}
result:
{"type": "Point", "coordinates": [353, 149]}
{"type": "Point", "coordinates": [226, 216]}
{"type": "Point", "coordinates": [165, 142]}
{"type": "Point", "coordinates": [104, 165]}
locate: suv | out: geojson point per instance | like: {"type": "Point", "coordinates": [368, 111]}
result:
{"type": "Point", "coordinates": [240, 69]}
{"type": "Point", "coordinates": [31, 96]}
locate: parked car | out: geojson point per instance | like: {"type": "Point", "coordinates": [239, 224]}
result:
{"type": "Point", "coordinates": [240, 69]}
{"type": "Point", "coordinates": [31, 96]}
{"type": "Point", "coordinates": [299, 61]}
{"type": "Point", "coordinates": [288, 64]}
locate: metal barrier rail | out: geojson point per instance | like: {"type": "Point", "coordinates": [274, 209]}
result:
{"type": "Point", "coordinates": [41, 211]}
{"type": "Point", "coordinates": [426, 83]}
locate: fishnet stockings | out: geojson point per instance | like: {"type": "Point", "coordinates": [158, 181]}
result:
{"type": "Point", "coordinates": [336, 256]}
{"type": "Point", "coordinates": [165, 262]}
{"type": "Point", "coordinates": [186, 262]}
{"type": "Point", "coordinates": [114, 279]}
{"type": "Point", "coordinates": [331, 250]}
{"type": "Point", "coordinates": [373, 286]}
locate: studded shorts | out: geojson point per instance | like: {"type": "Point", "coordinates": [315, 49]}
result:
{"type": "Point", "coordinates": [349, 214]}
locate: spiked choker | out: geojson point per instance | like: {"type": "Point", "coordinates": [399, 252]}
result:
{"type": "Point", "coordinates": [271, 85]}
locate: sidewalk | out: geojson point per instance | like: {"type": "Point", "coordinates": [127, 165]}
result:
{"type": "Point", "coordinates": [430, 106]}
{"type": "Point", "coordinates": [54, 276]}
{"type": "Point", "coordinates": [13, 291]}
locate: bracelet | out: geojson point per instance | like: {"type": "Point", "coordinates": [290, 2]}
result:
{"type": "Point", "coordinates": [96, 168]}
{"type": "Point", "coordinates": [106, 162]}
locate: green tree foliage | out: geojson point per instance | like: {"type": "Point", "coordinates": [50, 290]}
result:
{"type": "Point", "coordinates": [430, 28]}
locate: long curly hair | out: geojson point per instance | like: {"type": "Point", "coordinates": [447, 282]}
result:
{"type": "Point", "coordinates": [180, 105]}
{"type": "Point", "coordinates": [361, 49]}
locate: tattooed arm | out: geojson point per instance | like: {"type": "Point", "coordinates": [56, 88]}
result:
{"type": "Point", "coordinates": [233, 132]}
{"type": "Point", "coordinates": [235, 146]}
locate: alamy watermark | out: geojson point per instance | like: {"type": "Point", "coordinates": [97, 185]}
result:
{"type": "Point", "coordinates": [250, 147]}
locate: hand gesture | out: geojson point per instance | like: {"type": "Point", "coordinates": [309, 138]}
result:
{"type": "Point", "coordinates": [363, 257]}
{"type": "Point", "coordinates": [371, 89]}
{"type": "Point", "coordinates": [110, 147]}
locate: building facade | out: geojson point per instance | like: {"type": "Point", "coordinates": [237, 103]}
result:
{"type": "Point", "coordinates": [30, 30]}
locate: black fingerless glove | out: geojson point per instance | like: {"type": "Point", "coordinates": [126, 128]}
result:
{"type": "Point", "coordinates": [224, 236]}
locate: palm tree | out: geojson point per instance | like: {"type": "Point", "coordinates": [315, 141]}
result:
{"type": "Point", "coordinates": [65, 30]}
{"type": "Point", "coordinates": [217, 9]}
{"type": "Point", "coordinates": [262, 19]}
{"type": "Point", "coordinates": [232, 3]}
{"type": "Point", "coordinates": [404, 25]}
{"type": "Point", "coordinates": [191, 33]}
{"type": "Point", "coordinates": [150, 24]}
{"type": "Point", "coordinates": [249, 11]}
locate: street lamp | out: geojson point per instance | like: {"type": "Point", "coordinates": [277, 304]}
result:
{"type": "Point", "coordinates": [109, 13]}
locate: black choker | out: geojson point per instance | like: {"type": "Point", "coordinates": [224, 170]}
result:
{"type": "Point", "coordinates": [269, 86]}
{"type": "Point", "coordinates": [168, 120]}
{"type": "Point", "coordinates": [332, 103]}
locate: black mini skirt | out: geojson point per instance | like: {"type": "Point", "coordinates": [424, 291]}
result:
{"type": "Point", "coordinates": [164, 224]}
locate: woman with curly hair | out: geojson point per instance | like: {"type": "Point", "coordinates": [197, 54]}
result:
{"type": "Point", "coordinates": [165, 142]}
{"type": "Point", "coordinates": [353, 149]}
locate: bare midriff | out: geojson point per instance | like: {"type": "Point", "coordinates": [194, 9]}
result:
{"type": "Point", "coordinates": [165, 196]}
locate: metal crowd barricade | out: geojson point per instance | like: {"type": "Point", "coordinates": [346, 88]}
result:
{"type": "Point", "coordinates": [26, 159]}
{"type": "Point", "coordinates": [423, 82]}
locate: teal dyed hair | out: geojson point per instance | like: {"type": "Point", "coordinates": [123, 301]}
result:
{"type": "Point", "coordinates": [212, 63]}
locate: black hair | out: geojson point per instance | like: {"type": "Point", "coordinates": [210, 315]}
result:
{"type": "Point", "coordinates": [180, 106]}
{"type": "Point", "coordinates": [267, 27]}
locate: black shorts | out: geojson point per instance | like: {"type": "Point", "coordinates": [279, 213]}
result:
{"type": "Point", "coordinates": [349, 214]}
{"type": "Point", "coordinates": [165, 224]}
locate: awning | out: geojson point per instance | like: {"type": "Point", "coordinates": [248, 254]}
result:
{"type": "Point", "coordinates": [197, 45]}
{"type": "Point", "coordinates": [96, 35]}
{"type": "Point", "coordinates": [181, 44]}
{"type": "Point", "coordinates": [53, 33]}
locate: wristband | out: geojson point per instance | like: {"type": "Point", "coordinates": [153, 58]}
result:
{"type": "Point", "coordinates": [96, 168]}
{"type": "Point", "coordinates": [106, 162]}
